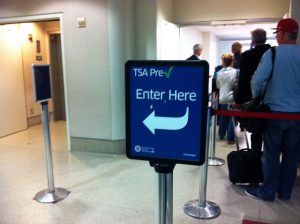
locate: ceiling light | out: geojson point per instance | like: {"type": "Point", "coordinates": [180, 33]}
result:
{"type": "Point", "coordinates": [227, 22]}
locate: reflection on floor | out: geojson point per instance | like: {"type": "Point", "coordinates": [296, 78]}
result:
{"type": "Point", "coordinates": [110, 189]}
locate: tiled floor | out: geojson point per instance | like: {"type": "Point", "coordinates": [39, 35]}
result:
{"type": "Point", "coordinates": [111, 189]}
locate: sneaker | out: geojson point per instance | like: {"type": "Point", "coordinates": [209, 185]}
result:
{"type": "Point", "coordinates": [258, 194]}
{"type": "Point", "coordinates": [230, 142]}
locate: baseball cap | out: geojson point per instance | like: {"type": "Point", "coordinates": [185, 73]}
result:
{"type": "Point", "coordinates": [287, 25]}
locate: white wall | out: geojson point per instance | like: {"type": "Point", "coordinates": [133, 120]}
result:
{"type": "Point", "coordinates": [207, 10]}
{"type": "Point", "coordinates": [121, 48]}
{"type": "Point", "coordinates": [88, 74]}
{"type": "Point", "coordinates": [150, 18]}
{"type": "Point", "coordinates": [86, 52]}
{"type": "Point", "coordinates": [165, 31]}
{"type": "Point", "coordinates": [206, 46]}
{"type": "Point", "coordinates": [189, 36]}
{"type": "Point", "coordinates": [213, 52]}
{"type": "Point", "coordinates": [165, 10]}
{"type": "Point", "coordinates": [146, 29]}
{"type": "Point", "coordinates": [210, 49]}
{"type": "Point", "coordinates": [169, 41]}
{"type": "Point", "coordinates": [295, 14]}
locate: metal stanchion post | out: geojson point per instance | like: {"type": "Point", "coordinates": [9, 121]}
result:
{"type": "Point", "coordinates": [165, 197]}
{"type": "Point", "coordinates": [165, 192]}
{"type": "Point", "coordinates": [51, 194]}
{"type": "Point", "coordinates": [213, 160]}
{"type": "Point", "coordinates": [202, 208]}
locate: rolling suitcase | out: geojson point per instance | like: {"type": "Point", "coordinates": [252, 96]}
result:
{"type": "Point", "coordinates": [244, 165]}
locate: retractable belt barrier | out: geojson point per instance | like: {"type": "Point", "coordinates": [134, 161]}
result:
{"type": "Point", "coordinates": [270, 115]}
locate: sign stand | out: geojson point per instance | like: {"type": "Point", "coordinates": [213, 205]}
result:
{"type": "Point", "coordinates": [51, 194]}
{"type": "Point", "coordinates": [165, 192]}
{"type": "Point", "coordinates": [166, 120]}
{"type": "Point", "coordinates": [202, 208]}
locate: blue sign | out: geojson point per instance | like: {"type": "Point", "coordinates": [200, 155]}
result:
{"type": "Point", "coordinates": [41, 82]}
{"type": "Point", "coordinates": [166, 108]}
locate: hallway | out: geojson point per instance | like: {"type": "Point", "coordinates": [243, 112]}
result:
{"type": "Point", "coordinates": [111, 189]}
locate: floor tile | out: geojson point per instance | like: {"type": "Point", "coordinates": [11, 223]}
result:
{"type": "Point", "coordinates": [112, 189]}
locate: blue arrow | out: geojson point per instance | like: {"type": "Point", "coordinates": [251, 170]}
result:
{"type": "Point", "coordinates": [166, 123]}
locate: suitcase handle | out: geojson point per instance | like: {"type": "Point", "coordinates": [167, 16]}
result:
{"type": "Point", "coordinates": [236, 137]}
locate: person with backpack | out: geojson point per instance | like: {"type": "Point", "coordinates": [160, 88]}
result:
{"type": "Point", "coordinates": [249, 62]}
{"type": "Point", "coordinates": [281, 137]}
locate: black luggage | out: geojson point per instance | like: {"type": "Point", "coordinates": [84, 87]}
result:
{"type": "Point", "coordinates": [245, 165]}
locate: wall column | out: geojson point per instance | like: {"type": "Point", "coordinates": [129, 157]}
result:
{"type": "Point", "coordinates": [295, 13]}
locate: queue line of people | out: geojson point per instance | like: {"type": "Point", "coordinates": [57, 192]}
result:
{"type": "Point", "coordinates": [252, 69]}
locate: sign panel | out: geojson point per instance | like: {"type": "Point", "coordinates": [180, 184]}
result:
{"type": "Point", "coordinates": [166, 108]}
{"type": "Point", "coordinates": [41, 82]}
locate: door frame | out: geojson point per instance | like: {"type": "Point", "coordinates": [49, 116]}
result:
{"type": "Point", "coordinates": [49, 33]}
{"type": "Point", "coordinates": [41, 18]}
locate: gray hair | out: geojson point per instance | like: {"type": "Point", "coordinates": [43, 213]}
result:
{"type": "Point", "coordinates": [259, 36]}
{"type": "Point", "coordinates": [197, 46]}
{"type": "Point", "coordinates": [291, 36]}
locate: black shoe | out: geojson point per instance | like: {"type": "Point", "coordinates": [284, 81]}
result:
{"type": "Point", "coordinates": [284, 198]}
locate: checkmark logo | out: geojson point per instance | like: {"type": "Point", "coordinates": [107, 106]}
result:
{"type": "Point", "coordinates": [167, 74]}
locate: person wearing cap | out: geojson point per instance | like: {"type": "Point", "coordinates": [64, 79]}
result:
{"type": "Point", "coordinates": [282, 137]}
{"type": "Point", "coordinates": [226, 78]}
{"type": "Point", "coordinates": [197, 49]}
{"type": "Point", "coordinates": [249, 62]}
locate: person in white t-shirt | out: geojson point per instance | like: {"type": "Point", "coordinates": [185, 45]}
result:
{"type": "Point", "coordinates": [226, 78]}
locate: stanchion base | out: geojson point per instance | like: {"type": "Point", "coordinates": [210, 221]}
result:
{"type": "Point", "coordinates": [211, 210]}
{"type": "Point", "coordinates": [45, 197]}
{"type": "Point", "coordinates": [216, 162]}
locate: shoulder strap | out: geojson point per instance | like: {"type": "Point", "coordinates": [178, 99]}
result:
{"type": "Point", "coordinates": [273, 51]}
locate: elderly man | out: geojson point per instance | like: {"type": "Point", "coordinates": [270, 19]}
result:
{"type": "Point", "coordinates": [249, 62]}
{"type": "Point", "coordinates": [197, 48]}
{"type": "Point", "coordinates": [282, 137]}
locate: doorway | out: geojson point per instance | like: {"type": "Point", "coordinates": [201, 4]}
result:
{"type": "Point", "coordinates": [59, 112]}
{"type": "Point", "coordinates": [39, 59]}
{"type": "Point", "coordinates": [24, 44]}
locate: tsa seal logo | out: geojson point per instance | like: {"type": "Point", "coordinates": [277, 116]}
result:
{"type": "Point", "coordinates": [137, 148]}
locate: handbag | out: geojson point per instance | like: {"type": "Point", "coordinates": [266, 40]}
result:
{"type": "Point", "coordinates": [257, 125]}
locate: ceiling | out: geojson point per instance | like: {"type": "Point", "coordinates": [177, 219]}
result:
{"type": "Point", "coordinates": [236, 32]}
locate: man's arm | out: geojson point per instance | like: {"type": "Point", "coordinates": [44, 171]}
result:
{"type": "Point", "coordinates": [262, 74]}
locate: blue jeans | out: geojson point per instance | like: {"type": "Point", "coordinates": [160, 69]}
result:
{"type": "Point", "coordinates": [280, 137]}
{"type": "Point", "coordinates": [226, 125]}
